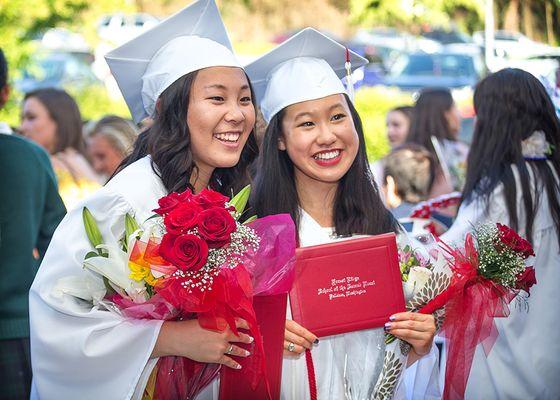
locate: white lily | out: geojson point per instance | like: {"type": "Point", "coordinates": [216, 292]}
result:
{"type": "Point", "coordinates": [89, 287]}
{"type": "Point", "coordinates": [115, 269]}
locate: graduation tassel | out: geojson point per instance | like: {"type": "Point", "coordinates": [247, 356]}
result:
{"type": "Point", "coordinates": [349, 82]}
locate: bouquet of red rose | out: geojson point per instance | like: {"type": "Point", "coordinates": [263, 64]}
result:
{"type": "Point", "coordinates": [194, 259]}
{"type": "Point", "coordinates": [487, 276]}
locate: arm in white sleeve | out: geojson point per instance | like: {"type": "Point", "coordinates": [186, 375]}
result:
{"type": "Point", "coordinates": [79, 351]}
{"type": "Point", "coordinates": [475, 212]}
{"type": "Point", "coordinates": [421, 380]}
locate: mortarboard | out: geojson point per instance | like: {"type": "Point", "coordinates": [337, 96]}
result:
{"type": "Point", "coordinates": [192, 39]}
{"type": "Point", "coordinates": [307, 66]}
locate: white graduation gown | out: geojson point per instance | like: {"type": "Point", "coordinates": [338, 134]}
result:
{"type": "Point", "coordinates": [523, 364]}
{"type": "Point", "coordinates": [327, 354]}
{"type": "Point", "coordinates": [77, 351]}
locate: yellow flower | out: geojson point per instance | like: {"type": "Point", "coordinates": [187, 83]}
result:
{"type": "Point", "coordinates": [139, 272]}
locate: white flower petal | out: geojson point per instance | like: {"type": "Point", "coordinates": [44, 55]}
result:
{"type": "Point", "coordinates": [86, 287]}
{"type": "Point", "coordinates": [419, 276]}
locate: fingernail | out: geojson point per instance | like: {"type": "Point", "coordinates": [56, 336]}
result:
{"type": "Point", "coordinates": [251, 339]}
{"type": "Point", "coordinates": [247, 353]}
{"type": "Point", "coordinates": [387, 326]}
{"type": "Point", "coordinates": [316, 341]}
{"type": "Point", "coordinates": [238, 366]}
{"type": "Point", "coordinates": [392, 318]}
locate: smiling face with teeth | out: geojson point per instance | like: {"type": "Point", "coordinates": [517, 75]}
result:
{"type": "Point", "coordinates": [220, 117]}
{"type": "Point", "coordinates": [320, 138]}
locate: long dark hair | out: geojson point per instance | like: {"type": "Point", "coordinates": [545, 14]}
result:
{"type": "Point", "coordinates": [64, 111]}
{"type": "Point", "coordinates": [510, 105]}
{"type": "Point", "coordinates": [358, 209]}
{"type": "Point", "coordinates": [168, 142]}
{"type": "Point", "coordinates": [428, 119]}
{"type": "Point", "coordinates": [407, 111]}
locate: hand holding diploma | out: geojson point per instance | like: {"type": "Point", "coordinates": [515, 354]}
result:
{"type": "Point", "coordinates": [297, 339]}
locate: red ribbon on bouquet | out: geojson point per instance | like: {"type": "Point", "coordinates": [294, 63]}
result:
{"type": "Point", "coordinates": [231, 298]}
{"type": "Point", "coordinates": [471, 303]}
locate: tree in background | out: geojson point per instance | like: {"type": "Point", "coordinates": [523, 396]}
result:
{"type": "Point", "coordinates": [23, 21]}
{"type": "Point", "coordinates": [538, 19]}
{"type": "Point", "coordinates": [413, 15]}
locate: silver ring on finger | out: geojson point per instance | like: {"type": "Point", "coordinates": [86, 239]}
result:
{"type": "Point", "coordinates": [291, 347]}
{"type": "Point", "coordinates": [229, 350]}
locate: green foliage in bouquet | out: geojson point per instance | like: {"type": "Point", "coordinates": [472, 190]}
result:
{"type": "Point", "coordinates": [497, 262]}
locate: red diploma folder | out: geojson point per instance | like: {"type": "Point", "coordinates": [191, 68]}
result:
{"type": "Point", "coordinates": [347, 286]}
{"type": "Point", "coordinates": [271, 317]}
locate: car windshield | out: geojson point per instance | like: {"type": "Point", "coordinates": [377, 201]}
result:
{"type": "Point", "coordinates": [450, 65]}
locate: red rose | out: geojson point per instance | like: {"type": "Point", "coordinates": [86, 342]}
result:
{"type": "Point", "coordinates": [182, 218]}
{"type": "Point", "coordinates": [526, 279]}
{"type": "Point", "coordinates": [216, 226]}
{"type": "Point", "coordinates": [172, 200]}
{"type": "Point", "coordinates": [187, 195]}
{"type": "Point", "coordinates": [167, 203]}
{"type": "Point", "coordinates": [186, 252]}
{"type": "Point", "coordinates": [512, 240]}
{"type": "Point", "coordinates": [210, 198]}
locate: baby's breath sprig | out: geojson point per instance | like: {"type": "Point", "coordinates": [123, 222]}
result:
{"type": "Point", "coordinates": [496, 261]}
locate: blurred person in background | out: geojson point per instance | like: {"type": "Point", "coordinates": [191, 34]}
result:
{"type": "Point", "coordinates": [30, 210]}
{"type": "Point", "coordinates": [408, 175]}
{"type": "Point", "coordinates": [398, 124]}
{"type": "Point", "coordinates": [51, 118]}
{"type": "Point", "coordinates": [108, 142]}
{"type": "Point", "coordinates": [512, 178]}
{"type": "Point", "coordinates": [435, 124]}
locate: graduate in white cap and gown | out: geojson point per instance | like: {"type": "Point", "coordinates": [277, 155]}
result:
{"type": "Point", "coordinates": [313, 165]}
{"type": "Point", "coordinates": [183, 75]}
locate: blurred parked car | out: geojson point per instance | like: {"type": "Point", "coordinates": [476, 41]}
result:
{"type": "Point", "coordinates": [445, 36]}
{"type": "Point", "coordinates": [119, 28]}
{"type": "Point", "coordinates": [57, 69]}
{"type": "Point", "coordinates": [382, 47]}
{"type": "Point", "coordinates": [509, 44]}
{"type": "Point", "coordinates": [393, 39]}
{"type": "Point", "coordinates": [61, 39]}
{"type": "Point", "coordinates": [412, 72]}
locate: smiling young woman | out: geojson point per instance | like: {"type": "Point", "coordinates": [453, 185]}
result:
{"type": "Point", "coordinates": [313, 165]}
{"type": "Point", "coordinates": [201, 103]}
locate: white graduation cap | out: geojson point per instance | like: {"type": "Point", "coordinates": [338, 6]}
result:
{"type": "Point", "coordinates": [307, 66]}
{"type": "Point", "coordinates": [192, 39]}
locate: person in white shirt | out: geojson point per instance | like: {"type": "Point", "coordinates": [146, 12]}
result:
{"type": "Point", "coordinates": [512, 178]}
{"type": "Point", "coordinates": [184, 75]}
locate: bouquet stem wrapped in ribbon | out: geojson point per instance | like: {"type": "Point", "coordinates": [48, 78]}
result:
{"type": "Point", "coordinates": [195, 260]}
{"type": "Point", "coordinates": [487, 276]}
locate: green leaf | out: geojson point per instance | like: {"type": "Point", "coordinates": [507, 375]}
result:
{"type": "Point", "coordinates": [91, 254]}
{"type": "Point", "coordinates": [108, 287]}
{"type": "Point", "coordinates": [250, 219]}
{"type": "Point", "coordinates": [92, 230]}
{"type": "Point", "coordinates": [154, 216]}
{"type": "Point", "coordinates": [239, 201]}
{"type": "Point", "coordinates": [130, 225]}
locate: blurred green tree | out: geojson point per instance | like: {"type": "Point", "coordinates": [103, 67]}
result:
{"type": "Point", "coordinates": [23, 21]}
{"type": "Point", "coordinates": [414, 15]}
